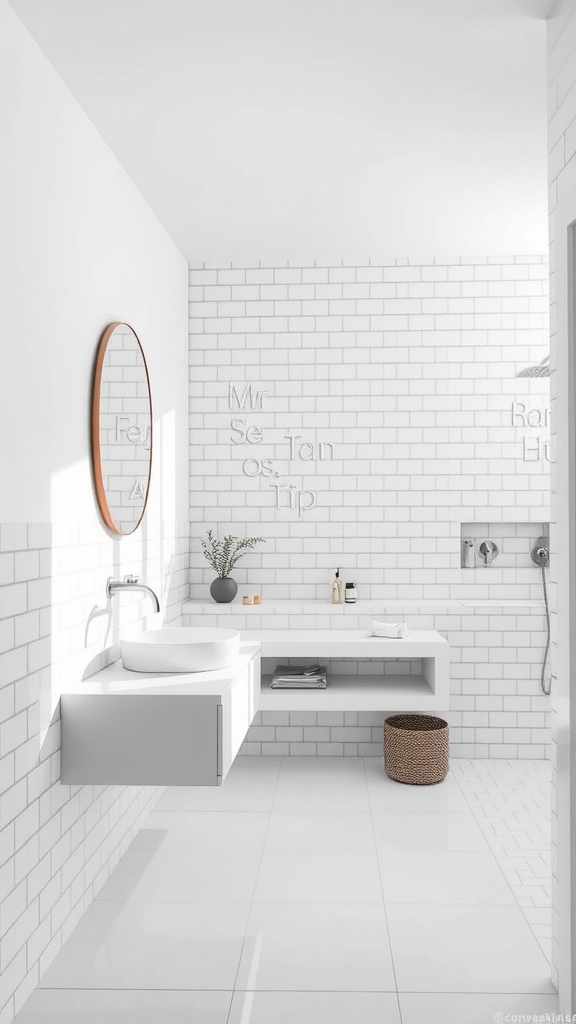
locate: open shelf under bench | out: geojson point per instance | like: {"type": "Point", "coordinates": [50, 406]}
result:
{"type": "Point", "coordinates": [427, 690]}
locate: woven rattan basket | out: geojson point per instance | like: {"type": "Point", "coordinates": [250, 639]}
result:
{"type": "Point", "coordinates": [416, 749]}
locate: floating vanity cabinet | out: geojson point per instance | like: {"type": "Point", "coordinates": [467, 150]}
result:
{"type": "Point", "coordinates": [131, 728]}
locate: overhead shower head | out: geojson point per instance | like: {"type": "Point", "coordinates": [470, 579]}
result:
{"type": "Point", "coordinates": [542, 369]}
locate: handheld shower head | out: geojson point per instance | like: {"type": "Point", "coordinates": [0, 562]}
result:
{"type": "Point", "coordinates": [541, 556]}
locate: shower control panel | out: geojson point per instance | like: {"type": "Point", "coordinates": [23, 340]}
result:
{"type": "Point", "coordinates": [541, 552]}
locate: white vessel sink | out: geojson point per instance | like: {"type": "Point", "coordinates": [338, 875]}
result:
{"type": "Point", "coordinates": [185, 649]}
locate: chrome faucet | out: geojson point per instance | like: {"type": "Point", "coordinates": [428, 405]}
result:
{"type": "Point", "coordinates": [131, 583]}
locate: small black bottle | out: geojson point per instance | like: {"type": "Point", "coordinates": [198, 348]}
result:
{"type": "Point", "coordinates": [350, 593]}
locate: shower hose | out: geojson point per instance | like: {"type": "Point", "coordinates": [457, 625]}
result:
{"type": "Point", "coordinates": [545, 688]}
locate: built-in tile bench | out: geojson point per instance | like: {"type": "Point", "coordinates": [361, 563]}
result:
{"type": "Point", "coordinates": [495, 708]}
{"type": "Point", "coordinates": [366, 673]}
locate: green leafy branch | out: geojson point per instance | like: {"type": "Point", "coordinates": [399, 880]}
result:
{"type": "Point", "coordinates": [223, 554]}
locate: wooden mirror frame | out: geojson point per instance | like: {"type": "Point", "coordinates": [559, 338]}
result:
{"type": "Point", "coordinates": [101, 498]}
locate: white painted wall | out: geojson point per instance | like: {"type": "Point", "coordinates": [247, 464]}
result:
{"type": "Point", "coordinates": [79, 247]}
{"type": "Point", "coordinates": [319, 129]}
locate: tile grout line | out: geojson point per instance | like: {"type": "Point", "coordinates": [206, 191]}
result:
{"type": "Point", "coordinates": [382, 888]}
{"type": "Point", "coordinates": [253, 891]}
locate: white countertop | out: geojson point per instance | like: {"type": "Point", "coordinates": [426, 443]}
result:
{"type": "Point", "coordinates": [324, 643]}
{"type": "Point", "coordinates": [117, 680]}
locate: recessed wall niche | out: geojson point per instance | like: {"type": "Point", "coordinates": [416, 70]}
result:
{"type": "Point", "coordinates": [514, 541]}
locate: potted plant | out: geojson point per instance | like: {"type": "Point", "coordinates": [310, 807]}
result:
{"type": "Point", "coordinates": [223, 556]}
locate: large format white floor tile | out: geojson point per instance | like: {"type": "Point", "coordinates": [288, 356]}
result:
{"type": "Point", "coordinates": [272, 885]}
{"type": "Point", "coordinates": [322, 784]}
{"type": "Point", "coordinates": [314, 1008]}
{"type": "Point", "coordinates": [318, 876]}
{"type": "Point", "coordinates": [203, 830]}
{"type": "Point", "coordinates": [443, 877]}
{"type": "Point", "coordinates": [66, 1006]}
{"type": "Point", "coordinates": [152, 946]}
{"type": "Point", "coordinates": [184, 875]}
{"type": "Point", "coordinates": [401, 830]}
{"type": "Point", "coordinates": [317, 947]}
{"type": "Point", "coordinates": [323, 771]}
{"type": "Point", "coordinates": [320, 798]}
{"type": "Point", "coordinates": [449, 1008]}
{"type": "Point", "coordinates": [387, 795]}
{"type": "Point", "coordinates": [334, 832]}
{"type": "Point", "coordinates": [311, 769]}
{"type": "Point", "coordinates": [465, 949]}
{"type": "Point", "coordinates": [248, 787]}
{"type": "Point", "coordinates": [235, 797]}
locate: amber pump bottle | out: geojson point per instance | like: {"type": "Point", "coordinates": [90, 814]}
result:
{"type": "Point", "coordinates": [337, 594]}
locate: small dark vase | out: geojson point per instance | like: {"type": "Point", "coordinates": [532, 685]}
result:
{"type": "Point", "coordinates": [223, 589]}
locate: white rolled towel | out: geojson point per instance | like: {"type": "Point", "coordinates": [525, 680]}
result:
{"type": "Point", "coordinates": [391, 630]}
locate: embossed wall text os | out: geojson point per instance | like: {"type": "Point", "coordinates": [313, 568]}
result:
{"type": "Point", "coordinates": [121, 429]}
{"type": "Point", "coordinates": [249, 397]}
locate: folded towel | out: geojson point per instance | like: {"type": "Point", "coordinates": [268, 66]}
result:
{"type": "Point", "coordinates": [299, 677]}
{"type": "Point", "coordinates": [391, 630]}
{"type": "Point", "coordinates": [314, 683]}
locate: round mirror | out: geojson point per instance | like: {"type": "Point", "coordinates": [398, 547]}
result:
{"type": "Point", "coordinates": [121, 429]}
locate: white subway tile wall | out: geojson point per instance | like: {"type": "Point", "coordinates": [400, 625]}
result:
{"type": "Point", "coordinates": [58, 844]}
{"type": "Point", "coordinates": [406, 374]}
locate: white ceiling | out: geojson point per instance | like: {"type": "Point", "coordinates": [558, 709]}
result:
{"type": "Point", "coordinates": [303, 129]}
